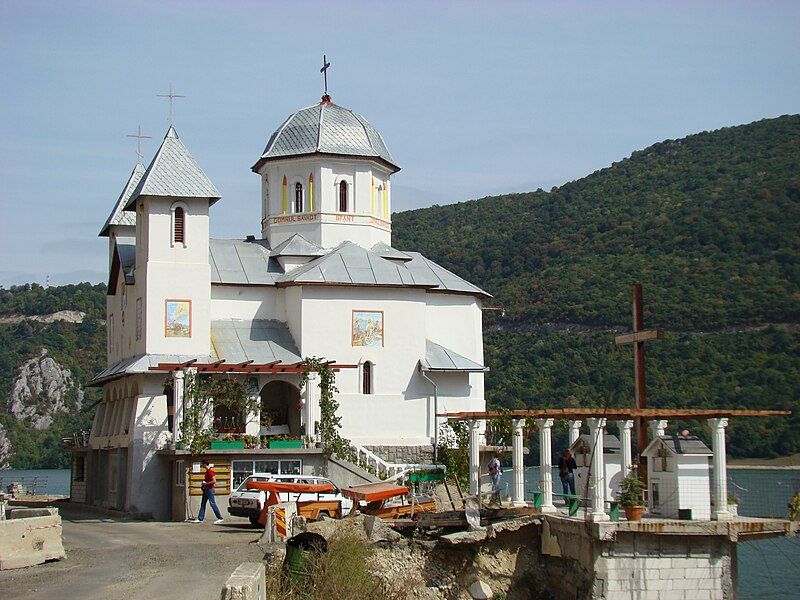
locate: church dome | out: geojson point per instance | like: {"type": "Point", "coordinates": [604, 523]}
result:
{"type": "Point", "coordinates": [326, 128]}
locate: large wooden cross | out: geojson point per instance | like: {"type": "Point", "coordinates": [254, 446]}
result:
{"type": "Point", "coordinates": [638, 337]}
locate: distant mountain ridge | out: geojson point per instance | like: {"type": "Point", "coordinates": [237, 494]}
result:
{"type": "Point", "coordinates": [709, 223]}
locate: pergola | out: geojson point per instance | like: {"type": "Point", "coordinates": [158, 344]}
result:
{"type": "Point", "coordinates": [596, 419]}
{"type": "Point", "coordinates": [220, 367]}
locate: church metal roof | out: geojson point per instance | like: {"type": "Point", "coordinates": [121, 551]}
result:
{"type": "Point", "coordinates": [297, 245]}
{"type": "Point", "coordinates": [259, 340]}
{"type": "Point", "coordinates": [350, 264]}
{"type": "Point", "coordinates": [239, 262]}
{"type": "Point", "coordinates": [439, 358]}
{"type": "Point", "coordinates": [326, 128]}
{"type": "Point", "coordinates": [141, 363]}
{"type": "Point", "coordinates": [174, 173]}
{"type": "Point", "coordinates": [420, 266]}
{"type": "Point", "coordinates": [386, 251]}
{"type": "Point", "coordinates": [611, 443]}
{"type": "Point", "coordinates": [119, 216]}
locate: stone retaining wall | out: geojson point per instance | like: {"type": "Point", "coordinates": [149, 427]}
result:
{"type": "Point", "coordinates": [422, 455]}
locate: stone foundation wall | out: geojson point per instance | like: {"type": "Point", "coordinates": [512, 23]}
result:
{"type": "Point", "coordinates": [404, 454]}
{"type": "Point", "coordinates": [666, 568]}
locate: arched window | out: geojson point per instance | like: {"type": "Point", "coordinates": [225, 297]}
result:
{"type": "Point", "coordinates": [179, 226]}
{"type": "Point", "coordinates": [366, 378]}
{"type": "Point", "coordinates": [298, 197]}
{"type": "Point", "coordinates": [343, 196]}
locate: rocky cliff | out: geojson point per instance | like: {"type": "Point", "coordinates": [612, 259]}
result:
{"type": "Point", "coordinates": [41, 389]}
{"type": "Point", "coordinates": [5, 448]}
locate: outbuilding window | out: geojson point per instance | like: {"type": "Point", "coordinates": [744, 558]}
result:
{"type": "Point", "coordinates": [298, 197]}
{"type": "Point", "coordinates": [366, 378]}
{"type": "Point", "coordinates": [343, 196]}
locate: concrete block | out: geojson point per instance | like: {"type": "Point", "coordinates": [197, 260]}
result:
{"type": "Point", "coordinates": [28, 541]}
{"type": "Point", "coordinates": [697, 595]}
{"type": "Point", "coordinates": [247, 582]}
{"type": "Point", "coordinates": [671, 573]}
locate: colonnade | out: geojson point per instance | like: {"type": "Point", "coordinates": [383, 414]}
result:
{"type": "Point", "coordinates": [597, 483]}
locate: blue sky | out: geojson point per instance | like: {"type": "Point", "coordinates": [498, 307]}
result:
{"type": "Point", "coordinates": [472, 98]}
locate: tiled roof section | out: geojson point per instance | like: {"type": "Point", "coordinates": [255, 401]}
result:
{"type": "Point", "coordinates": [423, 267]}
{"type": "Point", "coordinates": [259, 340]}
{"type": "Point", "coordinates": [141, 363]}
{"type": "Point", "coordinates": [174, 173]}
{"type": "Point", "coordinates": [350, 264]}
{"type": "Point", "coordinates": [119, 216]}
{"type": "Point", "coordinates": [297, 245]}
{"type": "Point", "coordinates": [126, 248]}
{"type": "Point", "coordinates": [330, 129]}
{"type": "Point", "coordinates": [611, 443]}
{"type": "Point", "coordinates": [386, 251]}
{"type": "Point", "coordinates": [439, 358]}
{"type": "Point", "coordinates": [238, 262]}
{"type": "Point", "coordinates": [686, 445]}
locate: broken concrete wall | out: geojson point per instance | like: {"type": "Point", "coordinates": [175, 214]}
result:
{"type": "Point", "coordinates": [30, 537]}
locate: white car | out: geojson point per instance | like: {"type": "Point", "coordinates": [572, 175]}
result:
{"type": "Point", "coordinates": [249, 503]}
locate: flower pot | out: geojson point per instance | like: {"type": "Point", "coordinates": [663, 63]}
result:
{"type": "Point", "coordinates": [633, 513]}
{"type": "Point", "coordinates": [227, 444]}
{"type": "Point", "coordinates": [275, 444]}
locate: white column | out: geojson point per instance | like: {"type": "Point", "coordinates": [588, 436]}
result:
{"type": "Point", "coordinates": [625, 442]}
{"type": "Point", "coordinates": [178, 406]}
{"type": "Point", "coordinates": [657, 428]}
{"type": "Point", "coordinates": [597, 484]}
{"type": "Point", "coordinates": [311, 403]}
{"type": "Point", "coordinates": [574, 431]}
{"type": "Point", "coordinates": [474, 457]}
{"type": "Point", "coordinates": [546, 464]}
{"type": "Point", "coordinates": [518, 489]}
{"type": "Point", "coordinates": [718, 426]}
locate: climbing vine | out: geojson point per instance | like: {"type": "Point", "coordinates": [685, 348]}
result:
{"type": "Point", "coordinates": [330, 422]}
{"type": "Point", "coordinates": [201, 394]}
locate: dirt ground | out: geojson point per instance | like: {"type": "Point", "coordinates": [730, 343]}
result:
{"type": "Point", "coordinates": [136, 560]}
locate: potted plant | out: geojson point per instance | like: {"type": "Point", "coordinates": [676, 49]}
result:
{"type": "Point", "coordinates": [630, 495]}
{"type": "Point", "coordinates": [733, 505]}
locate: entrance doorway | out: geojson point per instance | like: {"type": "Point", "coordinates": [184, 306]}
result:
{"type": "Point", "coordinates": [279, 409]}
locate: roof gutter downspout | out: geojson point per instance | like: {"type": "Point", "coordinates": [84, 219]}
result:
{"type": "Point", "coordinates": [435, 412]}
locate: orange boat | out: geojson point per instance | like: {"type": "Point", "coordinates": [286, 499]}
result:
{"type": "Point", "coordinates": [310, 509]}
{"type": "Point", "coordinates": [376, 496]}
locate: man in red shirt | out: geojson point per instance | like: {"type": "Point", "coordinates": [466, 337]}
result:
{"type": "Point", "coordinates": [209, 481]}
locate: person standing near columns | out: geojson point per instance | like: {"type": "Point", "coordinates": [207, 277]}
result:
{"type": "Point", "coordinates": [566, 471]}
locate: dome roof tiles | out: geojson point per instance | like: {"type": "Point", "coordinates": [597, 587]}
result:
{"type": "Point", "coordinates": [327, 128]}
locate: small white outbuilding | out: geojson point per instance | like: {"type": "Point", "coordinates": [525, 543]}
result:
{"type": "Point", "coordinates": [581, 450]}
{"type": "Point", "coordinates": [678, 475]}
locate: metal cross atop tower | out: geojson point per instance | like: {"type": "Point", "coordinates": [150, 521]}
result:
{"type": "Point", "coordinates": [324, 70]}
{"type": "Point", "coordinates": [170, 95]}
{"type": "Point", "coordinates": [638, 338]}
{"type": "Point", "coordinates": [139, 137]}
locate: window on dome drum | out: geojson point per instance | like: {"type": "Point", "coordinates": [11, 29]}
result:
{"type": "Point", "coordinates": [298, 197]}
{"type": "Point", "coordinates": [343, 196]}
{"type": "Point", "coordinates": [366, 378]}
{"type": "Point", "coordinates": [179, 226]}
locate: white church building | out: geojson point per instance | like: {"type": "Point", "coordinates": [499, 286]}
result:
{"type": "Point", "coordinates": [322, 280]}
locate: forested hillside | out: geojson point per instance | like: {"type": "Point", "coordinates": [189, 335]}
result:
{"type": "Point", "coordinates": [79, 347]}
{"type": "Point", "coordinates": [710, 224]}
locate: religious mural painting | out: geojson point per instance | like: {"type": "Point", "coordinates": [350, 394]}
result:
{"type": "Point", "coordinates": [178, 319]}
{"type": "Point", "coordinates": [368, 328]}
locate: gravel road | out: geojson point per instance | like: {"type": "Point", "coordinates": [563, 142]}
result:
{"type": "Point", "coordinates": [136, 560]}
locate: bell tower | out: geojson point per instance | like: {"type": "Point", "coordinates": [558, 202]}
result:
{"type": "Point", "coordinates": [325, 175]}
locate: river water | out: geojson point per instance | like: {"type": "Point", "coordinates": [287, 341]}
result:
{"type": "Point", "coordinates": [768, 569]}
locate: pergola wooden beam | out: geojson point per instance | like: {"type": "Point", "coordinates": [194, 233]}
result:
{"type": "Point", "coordinates": [243, 367]}
{"type": "Point", "coordinates": [614, 413]}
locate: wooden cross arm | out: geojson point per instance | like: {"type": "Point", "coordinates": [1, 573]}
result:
{"type": "Point", "coordinates": [639, 336]}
